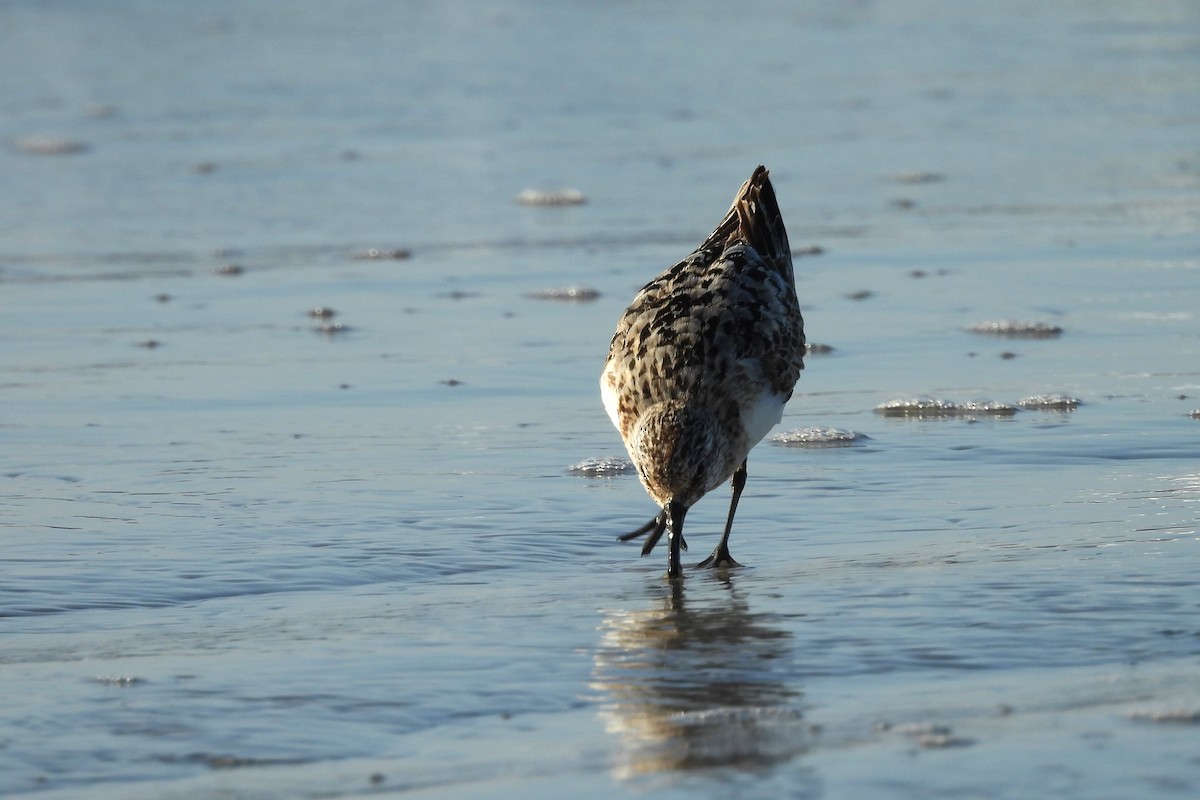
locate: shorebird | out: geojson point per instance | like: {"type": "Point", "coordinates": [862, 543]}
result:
{"type": "Point", "coordinates": [702, 363]}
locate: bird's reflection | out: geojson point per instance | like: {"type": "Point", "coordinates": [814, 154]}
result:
{"type": "Point", "coordinates": [698, 681]}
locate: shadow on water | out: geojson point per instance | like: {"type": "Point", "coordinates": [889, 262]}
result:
{"type": "Point", "coordinates": [696, 680]}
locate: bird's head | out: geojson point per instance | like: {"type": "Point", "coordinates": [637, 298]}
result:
{"type": "Point", "coordinates": [679, 452]}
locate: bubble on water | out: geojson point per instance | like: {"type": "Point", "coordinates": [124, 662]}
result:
{"type": "Point", "coordinates": [986, 408]}
{"type": "Point", "coordinates": [923, 405]}
{"type": "Point", "coordinates": [926, 407]}
{"type": "Point", "coordinates": [926, 734]}
{"type": "Point", "coordinates": [1175, 716]}
{"type": "Point", "coordinates": [601, 467]}
{"type": "Point", "coordinates": [818, 437]}
{"type": "Point", "coordinates": [122, 681]}
{"type": "Point", "coordinates": [1016, 329]}
{"type": "Point", "coordinates": [571, 294]}
{"type": "Point", "coordinates": [551, 197]}
{"type": "Point", "coordinates": [49, 146]}
{"type": "Point", "coordinates": [917, 407]}
{"type": "Point", "coordinates": [373, 254]}
{"type": "Point", "coordinates": [938, 740]}
{"type": "Point", "coordinates": [332, 328]}
{"type": "Point", "coordinates": [1050, 402]}
{"type": "Point", "coordinates": [918, 177]}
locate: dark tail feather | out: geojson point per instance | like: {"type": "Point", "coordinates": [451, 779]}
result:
{"type": "Point", "coordinates": [760, 224]}
{"type": "Point", "coordinates": [754, 219]}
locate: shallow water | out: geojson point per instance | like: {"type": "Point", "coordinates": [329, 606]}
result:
{"type": "Point", "coordinates": [245, 557]}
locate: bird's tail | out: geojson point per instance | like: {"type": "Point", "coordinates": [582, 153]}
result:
{"type": "Point", "coordinates": [760, 224]}
{"type": "Point", "coordinates": [754, 219]}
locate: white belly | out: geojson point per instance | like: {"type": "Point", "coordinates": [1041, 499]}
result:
{"type": "Point", "coordinates": [760, 416]}
{"type": "Point", "coordinates": [609, 395]}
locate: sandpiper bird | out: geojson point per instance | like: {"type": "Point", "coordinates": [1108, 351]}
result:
{"type": "Point", "coordinates": [702, 363]}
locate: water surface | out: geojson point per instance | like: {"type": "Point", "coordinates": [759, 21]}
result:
{"type": "Point", "coordinates": [243, 556]}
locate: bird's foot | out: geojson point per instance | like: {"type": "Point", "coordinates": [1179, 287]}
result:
{"type": "Point", "coordinates": [720, 559]}
{"type": "Point", "coordinates": [655, 527]}
{"type": "Point", "coordinates": [642, 531]}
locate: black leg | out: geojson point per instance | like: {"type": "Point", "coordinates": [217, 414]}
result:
{"type": "Point", "coordinates": [674, 514]}
{"type": "Point", "coordinates": [720, 556]}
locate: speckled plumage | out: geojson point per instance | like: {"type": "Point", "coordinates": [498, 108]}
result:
{"type": "Point", "coordinates": [703, 361]}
